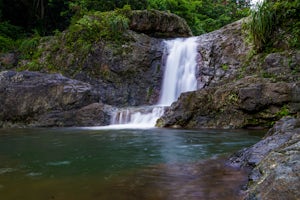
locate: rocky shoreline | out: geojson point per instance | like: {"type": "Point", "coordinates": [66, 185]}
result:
{"type": "Point", "coordinates": [274, 163]}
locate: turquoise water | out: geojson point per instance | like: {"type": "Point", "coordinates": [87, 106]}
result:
{"type": "Point", "coordinates": [78, 163]}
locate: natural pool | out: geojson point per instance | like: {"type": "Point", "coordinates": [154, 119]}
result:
{"type": "Point", "coordinates": [86, 164]}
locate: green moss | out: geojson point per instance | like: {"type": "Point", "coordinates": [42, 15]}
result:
{"type": "Point", "coordinates": [284, 111]}
{"type": "Point", "coordinates": [160, 123]}
{"type": "Point", "coordinates": [67, 51]}
{"type": "Point", "coordinates": [270, 76]}
{"type": "Point", "coordinates": [233, 98]}
{"type": "Point", "coordinates": [225, 67]}
{"type": "Point", "coordinates": [149, 93]}
{"type": "Point", "coordinates": [261, 122]}
{"type": "Point", "coordinates": [158, 67]}
{"type": "Point", "coordinates": [31, 66]}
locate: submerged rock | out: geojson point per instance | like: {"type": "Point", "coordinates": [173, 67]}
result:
{"type": "Point", "coordinates": [274, 163]}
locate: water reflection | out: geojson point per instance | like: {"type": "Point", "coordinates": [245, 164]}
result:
{"type": "Point", "coordinates": [152, 164]}
{"type": "Point", "coordinates": [206, 180]}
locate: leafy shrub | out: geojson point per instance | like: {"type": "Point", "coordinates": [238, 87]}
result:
{"type": "Point", "coordinates": [6, 43]}
{"type": "Point", "coordinates": [10, 31]}
{"type": "Point", "coordinates": [96, 26]}
{"type": "Point", "coordinates": [31, 66]}
{"type": "Point", "coordinates": [274, 15]}
{"type": "Point", "coordinates": [28, 46]}
{"type": "Point", "coordinates": [117, 24]}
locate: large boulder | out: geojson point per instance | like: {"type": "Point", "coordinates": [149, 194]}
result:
{"type": "Point", "coordinates": [274, 163]}
{"type": "Point", "coordinates": [38, 99]}
{"type": "Point", "coordinates": [159, 24]}
{"type": "Point", "coordinates": [248, 102]}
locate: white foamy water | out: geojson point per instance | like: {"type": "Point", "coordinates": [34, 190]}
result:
{"type": "Point", "coordinates": [141, 117]}
{"type": "Point", "coordinates": [179, 77]}
{"type": "Point", "coordinates": [180, 72]}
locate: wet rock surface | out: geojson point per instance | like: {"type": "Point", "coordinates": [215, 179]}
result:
{"type": "Point", "coordinates": [274, 163]}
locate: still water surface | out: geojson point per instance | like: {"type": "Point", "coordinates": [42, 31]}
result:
{"type": "Point", "coordinates": [83, 164]}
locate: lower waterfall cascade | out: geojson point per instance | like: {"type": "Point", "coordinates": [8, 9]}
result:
{"type": "Point", "coordinates": [179, 77]}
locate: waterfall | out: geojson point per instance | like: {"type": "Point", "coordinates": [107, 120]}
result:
{"type": "Point", "coordinates": [179, 77]}
{"type": "Point", "coordinates": [180, 72]}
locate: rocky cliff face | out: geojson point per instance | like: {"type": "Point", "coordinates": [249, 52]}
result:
{"type": "Point", "coordinates": [222, 54]}
{"type": "Point", "coordinates": [126, 73]}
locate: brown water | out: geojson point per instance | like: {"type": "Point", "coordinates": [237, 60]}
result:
{"type": "Point", "coordinates": [153, 164]}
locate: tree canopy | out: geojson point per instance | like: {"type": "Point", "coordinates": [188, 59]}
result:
{"type": "Point", "coordinates": [45, 16]}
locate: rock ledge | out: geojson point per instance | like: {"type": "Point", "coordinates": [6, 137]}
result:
{"type": "Point", "coordinates": [274, 163]}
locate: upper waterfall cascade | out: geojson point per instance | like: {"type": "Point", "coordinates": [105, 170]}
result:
{"type": "Point", "coordinates": [180, 72]}
{"type": "Point", "coordinates": [179, 77]}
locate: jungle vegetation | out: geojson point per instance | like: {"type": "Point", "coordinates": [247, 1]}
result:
{"type": "Point", "coordinates": [23, 22]}
{"type": "Point", "coordinates": [27, 18]}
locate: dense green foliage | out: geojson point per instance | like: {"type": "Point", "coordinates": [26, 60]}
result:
{"type": "Point", "coordinates": [98, 25]}
{"type": "Point", "coordinates": [78, 40]}
{"type": "Point", "coordinates": [23, 22]}
{"type": "Point", "coordinates": [262, 24]}
{"type": "Point", "coordinates": [204, 15]}
{"type": "Point", "coordinates": [8, 34]}
{"type": "Point", "coordinates": [45, 16]}
{"type": "Point", "coordinates": [274, 15]}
